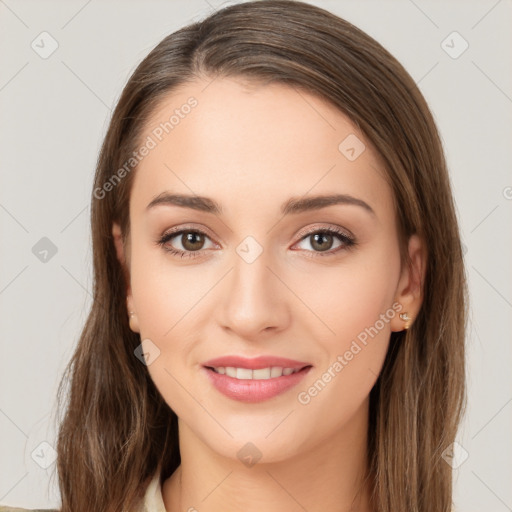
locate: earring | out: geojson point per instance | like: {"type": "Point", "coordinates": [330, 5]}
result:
{"type": "Point", "coordinates": [407, 319]}
{"type": "Point", "coordinates": [132, 321]}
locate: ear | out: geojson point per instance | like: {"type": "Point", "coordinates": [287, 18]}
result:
{"type": "Point", "coordinates": [409, 292]}
{"type": "Point", "coordinates": [121, 252]}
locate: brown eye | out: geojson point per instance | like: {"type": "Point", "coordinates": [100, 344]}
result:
{"type": "Point", "coordinates": [189, 242]}
{"type": "Point", "coordinates": [322, 240]}
{"type": "Point", "coordinates": [192, 240]}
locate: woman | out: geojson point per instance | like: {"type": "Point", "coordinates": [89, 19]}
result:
{"type": "Point", "coordinates": [279, 293]}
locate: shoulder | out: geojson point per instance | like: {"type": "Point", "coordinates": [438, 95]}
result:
{"type": "Point", "coordinates": [6, 508]}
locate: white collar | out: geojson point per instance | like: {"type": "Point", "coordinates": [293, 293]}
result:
{"type": "Point", "coordinates": [153, 499]}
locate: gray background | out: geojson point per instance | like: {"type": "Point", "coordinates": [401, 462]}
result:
{"type": "Point", "coordinates": [54, 113]}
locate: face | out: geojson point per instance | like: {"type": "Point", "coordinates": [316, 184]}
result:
{"type": "Point", "coordinates": [264, 275]}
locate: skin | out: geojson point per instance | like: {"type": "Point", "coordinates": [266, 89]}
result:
{"type": "Point", "coordinates": [251, 147]}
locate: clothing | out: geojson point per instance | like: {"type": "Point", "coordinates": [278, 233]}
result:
{"type": "Point", "coordinates": [153, 500]}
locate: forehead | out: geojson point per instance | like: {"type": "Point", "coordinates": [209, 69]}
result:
{"type": "Point", "coordinates": [252, 146]}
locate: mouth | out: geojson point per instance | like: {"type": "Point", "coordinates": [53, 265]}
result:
{"type": "Point", "coordinates": [254, 385]}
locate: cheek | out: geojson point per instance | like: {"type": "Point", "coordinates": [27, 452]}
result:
{"type": "Point", "coordinates": [164, 300]}
{"type": "Point", "coordinates": [167, 298]}
{"type": "Point", "coordinates": [350, 296]}
{"type": "Point", "coordinates": [354, 303]}
{"type": "Point", "coordinates": [163, 292]}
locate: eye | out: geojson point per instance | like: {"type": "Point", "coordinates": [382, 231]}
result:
{"type": "Point", "coordinates": [191, 242]}
{"type": "Point", "coordinates": [322, 241]}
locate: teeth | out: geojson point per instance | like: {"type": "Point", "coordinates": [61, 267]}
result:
{"type": "Point", "coordinates": [259, 374]}
{"type": "Point", "coordinates": [230, 371]}
{"type": "Point", "coordinates": [276, 371]}
{"type": "Point", "coordinates": [262, 373]}
{"type": "Point", "coordinates": [243, 373]}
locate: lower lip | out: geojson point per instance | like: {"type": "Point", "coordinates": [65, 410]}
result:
{"type": "Point", "coordinates": [254, 390]}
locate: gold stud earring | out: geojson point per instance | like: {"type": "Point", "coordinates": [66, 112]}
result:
{"type": "Point", "coordinates": [407, 319]}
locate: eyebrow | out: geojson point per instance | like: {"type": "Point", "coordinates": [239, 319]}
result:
{"type": "Point", "coordinates": [294, 205]}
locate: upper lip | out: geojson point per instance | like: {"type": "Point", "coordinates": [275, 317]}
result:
{"type": "Point", "coordinates": [255, 363]}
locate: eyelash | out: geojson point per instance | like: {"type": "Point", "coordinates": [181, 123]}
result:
{"type": "Point", "coordinates": [348, 242]}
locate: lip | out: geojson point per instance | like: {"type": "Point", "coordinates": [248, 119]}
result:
{"type": "Point", "coordinates": [255, 363]}
{"type": "Point", "coordinates": [254, 390]}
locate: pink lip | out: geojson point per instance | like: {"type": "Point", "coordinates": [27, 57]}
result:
{"type": "Point", "coordinates": [255, 363]}
{"type": "Point", "coordinates": [254, 390]}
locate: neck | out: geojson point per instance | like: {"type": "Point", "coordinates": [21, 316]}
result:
{"type": "Point", "coordinates": [330, 477]}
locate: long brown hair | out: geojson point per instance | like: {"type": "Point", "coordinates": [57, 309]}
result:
{"type": "Point", "coordinates": [117, 430]}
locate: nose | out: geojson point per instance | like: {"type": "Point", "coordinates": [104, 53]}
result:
{"type": "Point", "coordinates": [254, 299]}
